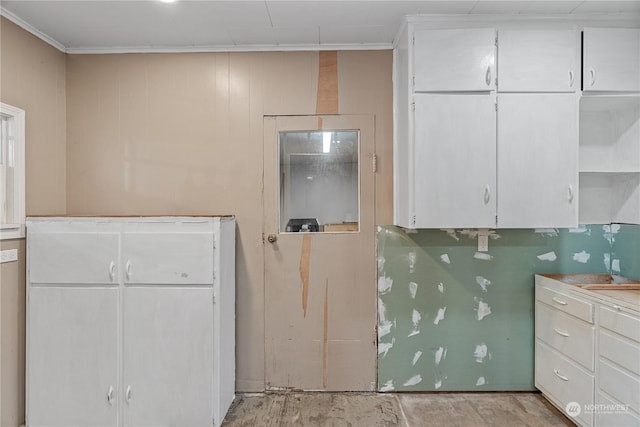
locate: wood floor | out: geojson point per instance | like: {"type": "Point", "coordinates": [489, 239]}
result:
{"type": "Point", "coordinates": [389, 409]}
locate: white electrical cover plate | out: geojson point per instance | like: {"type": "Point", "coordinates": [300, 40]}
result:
{"type": "Point", "coordinates": [8, 255]}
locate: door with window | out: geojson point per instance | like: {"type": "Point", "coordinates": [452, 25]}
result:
{"type": "Point", "coordinates": [319, 252]}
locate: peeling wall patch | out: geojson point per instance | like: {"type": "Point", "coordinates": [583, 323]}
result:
{"type": "Point", "coordinates": [581, 230]}
{"type": "Point", "coordinates": [483, 309]}
{"type": "Point", "coordinates": [607, 261]}
{"type": "Point", "coordinates": [441, 288]}
{"type": "Point", "coordinates": [582, 257]}
{"type": "Point", "coordinates": [445, 258]}
{"type": "Point", "coordinates": [483, 283]}
{"type": "Point", "coordinates": [440, 355]}
{"type": "Point", "coordinates": [550, 232]}
{"type": "Point", "coordinates": [615, 266]}
{"type": "Point", "coordinates": [480, 353]}
{"type": "Point", "coordinates": [549, 256]}
{"type": "Point", "coordinates": [440, 315]}
{"type": "Point", "coordinates": [388, 386]}
{"type": "Point", "coordinates": [381, 261]}
{"type": "Point", "coordinates": [413, 289]}
{"type": "Point", "coordinates": [417, 379]}
{"type": "Point", "coordinates": [451, 233]}
{"type": "Point", "coordinates": [415, 319]}
{"type": "Point", "coordinates": [481, 381]}
{"type": "Point", "coordinates": [384, 325]}
{"type": "Point", "coordinates": [383, 348]}
{"type": "Point", "coordinates": [416, 356]}
{"type": "Point", "coordinates": [412, 261]}
{"type": "Point", "coordinates": [483, 256]}
{"type": "Point", "coordinates": [384, 285]}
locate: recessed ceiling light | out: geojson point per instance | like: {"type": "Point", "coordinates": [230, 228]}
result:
{"type": "Point", "coordinates": [168, 1]}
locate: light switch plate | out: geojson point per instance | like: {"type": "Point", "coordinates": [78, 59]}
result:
{"type": "Point", "coordinates": [8, 255]}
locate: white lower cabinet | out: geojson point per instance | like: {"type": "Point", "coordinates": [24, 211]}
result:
{"type": "Point", "coordinates": [142, 331]}
{"type": "Point", "coordinates": [587, 352]}
{"type": "Point", "coordinates": [72, 365]}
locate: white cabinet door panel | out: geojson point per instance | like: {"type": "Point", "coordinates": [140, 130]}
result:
{"type": "Point", "coordinates": [537, 160]}
{"type": "Point", "coordinates": [72, 357]}
{"type": "Point", "coordinates": [73, 258]}
{"type": "Point", "coordinates": [454, 60]}
{"type": "Point", "coordinates": [611, 59]}
{"type": "Point", "coordinates": [167, 258]}
{"type": "Point", "coordinates": [538, 61]}
{"type": "Point", "coordinates": [168, 356]}
{"type": "Point", "coordinates": [455, 161]}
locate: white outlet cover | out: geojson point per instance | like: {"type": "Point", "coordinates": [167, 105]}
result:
{"type": "Point", "coordinates": [8, 255]}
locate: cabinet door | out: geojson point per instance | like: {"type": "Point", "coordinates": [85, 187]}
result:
{"type": "Point", "coordinates": [168, 356]}
{"type": "Point", "coordinates": [537, 61]}
{"type": "Point", "coordinates": [168, 258]}
{"type": "Point", "coordinates": [454, 161]}
{"type": "Point", "coordinates": [454, 60]}
{"type": "Point", "coordinates": [72, 357]}
{"type": "Point", "coordinates": [537, 160]}
{"type": "Point", "coordinates": [73, 258]}
{"type": "Point", "coordinates": [611, 59]}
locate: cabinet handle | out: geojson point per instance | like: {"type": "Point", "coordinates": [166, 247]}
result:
{"type": "Point", "coordinates": [559, 301]}
{"type": "Point", "coordinates": [570, 78]}
{"type": "Point", "coordinates": [112, 270]}
{"type": "Point", "coordinates": [127, 395]}
{"type": "Point", "coordinates": [559, 375]}
{"type": "Point", "coordinates": [562, 333]}
{"type": "Point", "coordinates": [592, 73]}
{"type": "Point", "coordinates": [110, 395]}
{"type": "Point", "coordinates": [570, 194]}
{"type": "Point", "coordinates": [487, 76]}
{"type": "Point", "coordinates": [128, 270]}
{"type": "Point", "coordinates": [487, 194]}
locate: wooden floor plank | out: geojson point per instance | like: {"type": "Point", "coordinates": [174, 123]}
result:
{"type": "Point", "coordinates": [389, 409]}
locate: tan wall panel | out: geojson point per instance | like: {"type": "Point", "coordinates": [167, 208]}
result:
{"type": "Point", "coordinates": [365, 87]}
{"type": "Point", "coordinates": [12, 335]}
{"type": "Point", "coordinates": [32, 77]}
{"type": "Point", "coordinates": [183, 134]}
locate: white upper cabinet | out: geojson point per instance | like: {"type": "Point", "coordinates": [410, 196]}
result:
{"type": "Point", "coordinates": [538, 61]}
{"type": "Point", "coordinates": [611, 58]}
{"type": "Point", "coordinates": [537, 160]}
{"type": "Point", "coordinates": [454, 162]}
{"type": "Point", "coordinates": [454, 60]}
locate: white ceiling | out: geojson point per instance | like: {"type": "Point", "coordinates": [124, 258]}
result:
{"type": "Point", "coordinates": [83, 26]}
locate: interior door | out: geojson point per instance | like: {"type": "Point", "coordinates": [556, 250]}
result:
{"type": "Point", "coordinates": [319, 252]}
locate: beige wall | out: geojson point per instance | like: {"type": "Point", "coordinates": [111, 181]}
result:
{"type": "Point", "coordinates": [32, 77]}
{"type": "Point", "coordinates": [183, 134]}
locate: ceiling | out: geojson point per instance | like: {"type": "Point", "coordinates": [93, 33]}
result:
{"type": "Point", "coordinates": [85, 26]}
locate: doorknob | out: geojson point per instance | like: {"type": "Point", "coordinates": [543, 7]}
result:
{"type": "Point", "coordinates": [272, 238]}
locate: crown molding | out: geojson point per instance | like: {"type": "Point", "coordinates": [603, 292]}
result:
{"type": "Point", "coordinates": [31, 29]}
{"type": "Point", "coordinates": [230, 48]}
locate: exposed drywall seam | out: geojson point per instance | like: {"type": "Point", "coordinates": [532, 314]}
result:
{"type": "Point", "coordinates": [327, 99]}
{"type": "Point", "coordinates": [305, 256]}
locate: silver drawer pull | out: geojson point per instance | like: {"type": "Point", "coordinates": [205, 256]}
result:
{"type": "Point", "coordinates": [564, 334]}
{"type": "Point", "coordinates": [559, 301]}
{"type": "Point", "coordinates": [559, 375]}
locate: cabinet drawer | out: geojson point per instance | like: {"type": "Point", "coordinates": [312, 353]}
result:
{"type": "Point", "coordinates": [168, 258]}
{"type": "Point", "coordinates": [567, 334]}
{"type": "Point", "coordinates": [563, 302]}
{"type": "Point", "coordinates": [620, 385]}
{"type": "Point", "coordinates": [73, 258]}
{"type": "Point", "coordinates": [611, 413]}
{"type": "Point", "coordinates": [621, 323]}
{"type": "Point", "coordinates": [624, 353]}
{"type": "Point", "coordinates": [563, 380]}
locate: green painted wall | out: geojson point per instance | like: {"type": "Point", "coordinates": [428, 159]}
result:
{"type": "Point", "coordinates": [626, 250]}
{"type": "Point", "coordinates": [450, 318]}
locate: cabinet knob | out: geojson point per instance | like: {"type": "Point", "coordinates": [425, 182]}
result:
{"type": "Point", "coordinates": [592, 74]}
{"type": "Point", "coordinates": [128, 270]}
{"type": "Point", "coordinates": [570, 194]}
{"type": "Point", "coordinates": [112, 270]}
{"type": "Point", "coordinates": [272, 238]}
{"type": "Point", "coordinates": [487, 76]}
{"type": "Point", "coordinates": [487, 194]}
{"type": "Point", "coordinates": [110, 395]}
{"type": "Point", "coordinates": [127, 394]}
{"type": "Point", "coordinates": [570, 78]}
